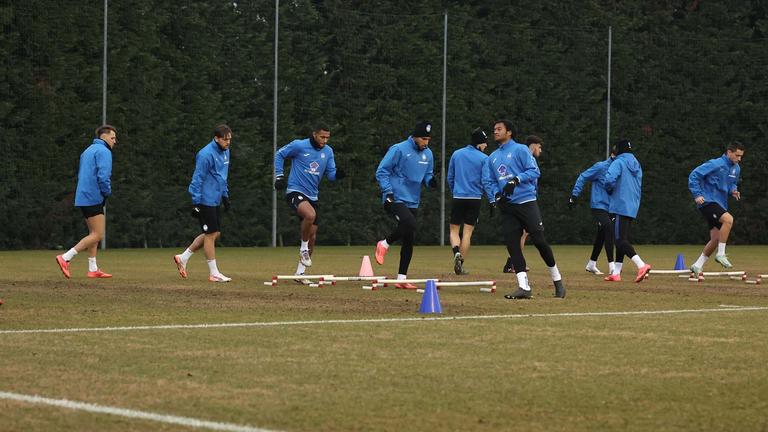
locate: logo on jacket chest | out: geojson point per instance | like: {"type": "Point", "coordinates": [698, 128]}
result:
{"type": "Point", "coordinates": [314, 166]}
{"type": "Point", "coordinates": [502, 170]}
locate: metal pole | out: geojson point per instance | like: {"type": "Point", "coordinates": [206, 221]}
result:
{"type": "Point", "coordinates": [608, 102]}
{"type": "Point", "coordinates": [442, 165]}
{"type": "Point", "coordinates": [274, 127]}
{"type": "Point", "coordinates": [104, 105]}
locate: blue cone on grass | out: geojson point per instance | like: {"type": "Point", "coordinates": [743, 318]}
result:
{"type": "Point", "coordinates": [430, 302]}
{"type": "Point", "coordinates": [680, 263]}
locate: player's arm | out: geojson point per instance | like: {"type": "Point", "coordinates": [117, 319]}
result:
{"type": "Point", "coordinates": [612, 175]}
{"type": "Point", "coordinates": [450, 177]}
{"type": "Point", "coordinates": [531, 170]}
{"type": "Point", "coordinates": [696, 179]}
{"type": "Point", "coordinates": [196, 186]}
{"type": "Point", "coordinates": [385, 170]}
{"type": "Point", "coordinates": [104, 172]}
{"type": "Point", "coordinates": [490, 184]}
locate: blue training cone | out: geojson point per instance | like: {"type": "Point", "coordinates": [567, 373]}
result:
{"type": "Point", "coordinates": [430, 302]}
{"type": "Point", "coordinates": [679, 263]}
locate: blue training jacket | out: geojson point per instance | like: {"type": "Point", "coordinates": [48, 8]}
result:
{"type": "Point", "coordinates": [510, 160]}
{"type": "Point", "coordinates": [402, 172]}
{"type": "Point", "coordinates": [209, 182]}
{"type": "Point", "coordinates": [599, 198]}
{"type": "Point", "coordinates": [715, 180]}
{"type": "Point", "coordinates": [307, 167]}
{"type": "Point", "coordinates": [465, 172]}
{"type": "Point", "coordinates": [93, 175]}
{"type": "Point", "coordinates": [624, 182]}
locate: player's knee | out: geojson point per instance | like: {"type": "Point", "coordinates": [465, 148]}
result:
{"type": "Point", "coordinates": [726, 219]}
{"type": "Point", "coordinates": [538, 239]}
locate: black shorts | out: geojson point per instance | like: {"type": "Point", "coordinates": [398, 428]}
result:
{"type": "Point", "coordinates": [91, 211]}
{"type": "Point", "coordinates": [296, 198]}
{"type": "Point", "coordinates": [712, 213]}
{"type": "Point", "coordinates": [522, 216]}
{"type": "Point", "coordinates": [209, 219]}
{"type": "Point", "coordinates": [465, 211]}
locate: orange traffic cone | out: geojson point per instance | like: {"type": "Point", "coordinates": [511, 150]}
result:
{"type": "Point", "coordinates": [365, 267]}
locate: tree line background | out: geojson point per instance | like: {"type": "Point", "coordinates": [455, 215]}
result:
{"type": "Point", "coordinates": [687, 77]}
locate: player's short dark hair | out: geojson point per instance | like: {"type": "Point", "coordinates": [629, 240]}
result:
{"type": "Point", "coordinates": [736, 145]}
{"type": "Point", "coordinates": [105, 128]}
{"type": "Point", "coordinates": [221, 131]}
{"type": "Point", "coordinates": [321, 126]}
{"type": "Point", "coordinates": [533, 139]}
{"type": "Point", "coordinates": [507, 125]}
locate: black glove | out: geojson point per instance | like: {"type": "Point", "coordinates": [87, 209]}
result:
{"type": "Point", "coordinates": [280, 182]}
{"type": "Point", "coordinates": [225, 201]}
{"type": "Point", "coordinates": [432, 183]}
{"type": "Point", "coordinates": [492, 205]}
{"type": "Point", "coordinates": [195, 211]}
{"type": "Point", "coordinates": [509, 188]}
{"type": "Point", "coordinates": [571, 202]}
{"type": "Point", "coordinates": [388, 201]}
{"type": "Point", "coordinates": [340, 174]}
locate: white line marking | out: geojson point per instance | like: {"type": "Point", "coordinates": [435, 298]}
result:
{"type": "Point", "coordinates": [380, 320]}
{"type": "Point", "coordinates": [143, 415]}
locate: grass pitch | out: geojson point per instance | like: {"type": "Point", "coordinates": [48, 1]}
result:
{"type": "Point", "coordinates": [339, 358]}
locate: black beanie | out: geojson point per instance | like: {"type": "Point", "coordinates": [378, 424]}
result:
{"type": "Point", "coordinates": [623, 146]}
{"type": "Point", "coordinates": [479, 137]}
{"type": "Point", "coordinates": [422, 129]}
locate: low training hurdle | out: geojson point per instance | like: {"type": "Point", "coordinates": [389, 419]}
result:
{"type": "Point", "coordinates": [484, 286]}
{"type": "Point", "coordinates": [277, 278]}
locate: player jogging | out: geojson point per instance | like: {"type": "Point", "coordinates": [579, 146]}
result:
{"type": "Point", "coordinates": [405, 168]}
{"type": "Point", "coordinates": [711, 183]}
{"type": "Point", "coordinates": [312, 158]}
{"type": "Point", "coordinates": [623, 180]}
{"type": "Point", "coordinates": [465, 178]}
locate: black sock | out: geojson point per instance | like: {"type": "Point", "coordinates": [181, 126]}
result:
{"type": "Point", "coordinates": [455, 250]}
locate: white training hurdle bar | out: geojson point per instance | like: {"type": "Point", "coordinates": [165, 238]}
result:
{"type": "Point", "coordinates": [277, 278]}
{"type": "Point", "coordinates": [485, 286]}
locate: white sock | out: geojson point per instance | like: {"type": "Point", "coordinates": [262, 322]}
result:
{"type": "Point", "coordinates": [591, 264]}
{"type": "Point", "coordinates": [611, 267]}
{"type": "Point", "coordinates": [721, 248]}
{"type": "Point", "coordinates": [555, 273]}
{"type": "Point", "coordinates": [701, 261]}
{"type": "Point", "coordinates": [401, 276]}
{"type": "Point", "coordinates": [617, 268]}
{"type": "Point", "coordinates": [304, 245]}
{"type": "Point", "coordinates": [384, 244]}
{"type": "Point", "coordinates": [185, 256]}
{"type": "Point", "coordinates": [300, 269]}
{"type": "Point", "coordinates": [638, 261]}
{"type": "Point", "coordinates": [68, 255]}
{"type": "Point", "coordinates": [92, 267]}
{"type": "Point", "coordinates": [522, 281]}
{"type": "Point", "coordinates": [212, 267]}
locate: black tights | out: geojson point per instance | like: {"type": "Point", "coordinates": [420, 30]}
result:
{"type": "Point", "coordinates": [512, 239]}
{"type": "Point", "coordinates": [621, 231]}
{"type": "Point", "coordinates": [604, 236]}
{"type": "Point", "coordinates": [405, 231]}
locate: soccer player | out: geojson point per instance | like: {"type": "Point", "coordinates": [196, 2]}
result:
{"type": "Point", "coordinates": [465, 178]}
{"type": "Point", "coordinates": [599, 203]}
{"type": "Point", "coordinates": [406, 166]}
{"type": "Point", "coordinates": [711, 183]}
{"type": "Point", "coordinates": [510, 176]}
{"type": "Point", "coordinates": [312, 158]}
{"type": "Point", "coordinates": [535, 144]}
{"type": "Point", "coordinates": [623, 181]}
{"type": "Point", "coordinates": [94, 185]}
{"type": "Point", "coordinates": [209, 192]}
